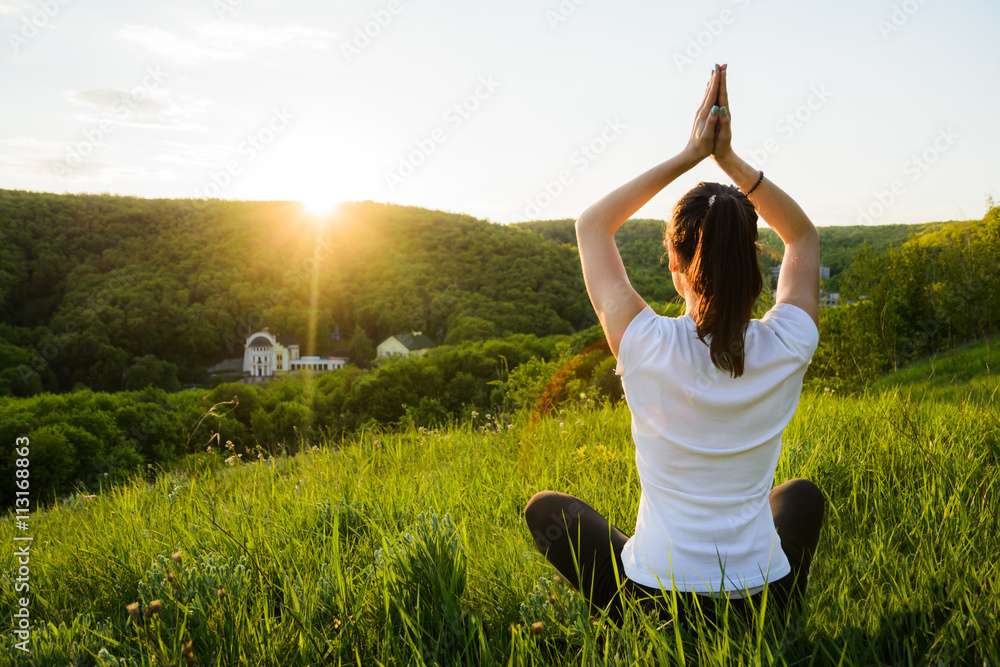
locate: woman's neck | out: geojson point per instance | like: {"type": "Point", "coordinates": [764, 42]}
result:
{"type": "Point", "coordinates": [690, 305]}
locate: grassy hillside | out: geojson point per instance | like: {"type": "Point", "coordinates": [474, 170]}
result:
{"type": "Point", "coordinates": [409, 547]}
{"type": "Point", "coordinates": [966, 373]}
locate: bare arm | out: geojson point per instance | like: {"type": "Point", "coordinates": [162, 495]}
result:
{"type": "Point", "coordinates": [798, 281]}
{"type": "Point", "coordinates": [611, 294]}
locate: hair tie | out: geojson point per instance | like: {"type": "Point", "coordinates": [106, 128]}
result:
{"type": "Point", "coordinates": [711, 200]}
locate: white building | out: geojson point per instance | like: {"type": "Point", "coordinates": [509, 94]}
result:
{"type": "Point", "coordinates": [265, 356]}
{"type": "Point", "coordinates": [404, 344]}
{"type": "Point", "coordinates": [319, 364]}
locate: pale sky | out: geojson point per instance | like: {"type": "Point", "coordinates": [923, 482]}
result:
{"type": "Point", "coordinates": [866, 112]}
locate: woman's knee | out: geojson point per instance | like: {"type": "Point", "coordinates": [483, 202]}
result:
{"type": "Point", "coordinates": [800, 493]}
{"type": "Point", "coordinates": [544, 506]}
{"type": "Point", "coordinates": [548, 514]}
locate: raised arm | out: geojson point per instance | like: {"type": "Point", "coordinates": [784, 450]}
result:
{"type": "Point", "coordinates": [798, 280]}
{"type": "Point", "coordinates": [611, 294]}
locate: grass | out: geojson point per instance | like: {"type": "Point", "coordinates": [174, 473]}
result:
{"type": "Point", "coordinates": [410, 548]}
{"type": "Point", "coordinates": [964, 373]}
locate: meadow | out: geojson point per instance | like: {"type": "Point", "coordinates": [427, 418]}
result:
{"type": "Point", "coordinates": [409, 546]}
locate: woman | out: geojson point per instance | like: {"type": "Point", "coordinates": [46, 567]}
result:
{"type": "Point", "coordinates": [709, 393]}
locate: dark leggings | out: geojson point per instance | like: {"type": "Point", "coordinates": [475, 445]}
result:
{"type": "Point", "coordinates": [554, 518]}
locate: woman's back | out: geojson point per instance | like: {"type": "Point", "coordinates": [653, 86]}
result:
{"type": "Point", "coordinates": [707, 445]}
{"type": "Point", "coordinates": [710, 393]}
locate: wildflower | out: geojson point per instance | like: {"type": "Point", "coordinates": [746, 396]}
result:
{"type": "Point", "coordinates": [154, 607]}
{"type": "Point", "coordinates": [537, 627]}
{"type": "Point", "coordinates": [176, 557]}
{"type": "Point", "coordinates": [336, 624]}
{"type": "Point", "coordinates": [133, 610]}
{"type": "Point", "coordinates": [221, 593]}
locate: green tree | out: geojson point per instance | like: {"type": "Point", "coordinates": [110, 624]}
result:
{"type": "Point", "coordinates": [467, 327]}
{"type": "Point", "coordinates": [148, 371]}
{"type": "Point", "coordinates": [361, 349]}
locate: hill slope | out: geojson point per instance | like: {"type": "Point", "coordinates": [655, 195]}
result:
{"type": "Point", "coordinates": [965, 373]}
{"type": "Point", "coordinates": [405, 547]}
{"type": "Point", "coordinates": [90, 284]}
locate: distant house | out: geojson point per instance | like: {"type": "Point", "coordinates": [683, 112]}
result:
{"type": "Point", "coordinates": [404, 344]}
{"type": "Point", "coordinates": [265, 355]}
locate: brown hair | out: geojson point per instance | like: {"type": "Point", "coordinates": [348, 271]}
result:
{"type": "Point", "coordinates": [717, 245]}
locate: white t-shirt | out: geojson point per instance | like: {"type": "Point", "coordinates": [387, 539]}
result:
{"type": "Point", "coordinates": [706, 446]}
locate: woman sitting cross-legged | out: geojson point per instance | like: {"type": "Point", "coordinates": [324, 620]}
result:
{"type": "Point", "coordinates": [709, 394]}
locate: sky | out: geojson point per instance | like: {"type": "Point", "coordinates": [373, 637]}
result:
{"type": "Point", "coordinates": [866, 112]}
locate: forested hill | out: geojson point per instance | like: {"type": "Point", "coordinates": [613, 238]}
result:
{"type": "Point", "coordinates": [91, 286]}
{"type": "Point", "coordinates": [640, 242]}
{"type": "Point", "coordinates": [120, 292]}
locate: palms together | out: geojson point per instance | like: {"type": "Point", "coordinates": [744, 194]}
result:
{"type": "Point", "coordinates": [712, 133]}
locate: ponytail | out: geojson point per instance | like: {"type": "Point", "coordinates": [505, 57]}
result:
{"type": "Point", "coordinates": [717, 227]}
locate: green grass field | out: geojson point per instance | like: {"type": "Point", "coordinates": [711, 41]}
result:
{"type": "Point", "coordinates": [410, 548]}
{"type": "Point", "coordinates": [966, 373]}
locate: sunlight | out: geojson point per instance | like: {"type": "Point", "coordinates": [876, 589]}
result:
{"type": "Point", "coordinates": [320, 204]}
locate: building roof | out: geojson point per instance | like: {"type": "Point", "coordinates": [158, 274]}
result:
{"type": "Point", "coordinates": [260, 341]}
{"type": "Point", "coordinates": [227, 366]}
{"type": "Point", "coordinates": [414, 340]}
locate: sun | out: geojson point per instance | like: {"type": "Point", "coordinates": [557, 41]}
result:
{"type": "Point", "coordinates": [320, 204]}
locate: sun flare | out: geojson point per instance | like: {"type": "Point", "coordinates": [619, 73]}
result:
{"type": "Point", "coordinates": [320, 204]}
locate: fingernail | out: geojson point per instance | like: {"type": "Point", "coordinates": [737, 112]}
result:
{"type": "Point", "coordinates": [715, 109]}
{"type": "Point", "coordinates": [723, 110]}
